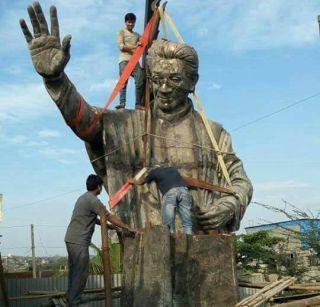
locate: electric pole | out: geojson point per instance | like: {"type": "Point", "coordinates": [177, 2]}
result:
{"type": "Point", "coordinates": [33, 248]}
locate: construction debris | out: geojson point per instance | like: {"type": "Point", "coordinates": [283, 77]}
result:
{"type": "Point", "coordinates": [267, 292]}
{"type": "Point", "coordinates": [313, 301]}
{"type": "Point", "coordinates": [305, 287]}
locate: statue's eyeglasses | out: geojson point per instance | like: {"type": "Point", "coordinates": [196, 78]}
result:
{"type": "Point", "coordinates": [174, 81]}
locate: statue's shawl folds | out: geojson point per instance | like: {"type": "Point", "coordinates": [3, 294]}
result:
{"type": "Point", "coordinates": [183, 144]}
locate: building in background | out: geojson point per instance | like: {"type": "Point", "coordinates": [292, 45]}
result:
{"type": "Point", "coordinates": [296, 235]}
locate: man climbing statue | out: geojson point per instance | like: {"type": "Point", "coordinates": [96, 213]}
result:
{"type": "Point", "coordinates": [176, 134]}
{"type": "Point", "coordinates": [176, 196]}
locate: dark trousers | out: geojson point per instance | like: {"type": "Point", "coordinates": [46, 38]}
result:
{"type": "Point", "coordinates": [78, 262]}
{"type": "Point", "coordinates": [138, 78]}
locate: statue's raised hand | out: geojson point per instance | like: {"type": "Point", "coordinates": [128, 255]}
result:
{"type": "Point", "coordinates": [49, 56]}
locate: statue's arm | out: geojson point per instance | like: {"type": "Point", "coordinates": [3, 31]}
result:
{"type": "Point", "coordinates": [228, 211]}
{"type": "Point", "coordinates": [50, 56]}
{"type": "Point", "coordinates": [83, 119]}
{"type": "Point", "coordinates": [241, 184]}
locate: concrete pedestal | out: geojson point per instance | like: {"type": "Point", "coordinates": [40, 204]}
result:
{"type": "Point", "coordinates": [163, 270]}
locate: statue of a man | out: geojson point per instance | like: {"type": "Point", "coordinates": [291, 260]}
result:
{"type": "Point", "coordinates": [176, 134]}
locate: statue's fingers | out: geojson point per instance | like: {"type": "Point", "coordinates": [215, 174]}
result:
{"type": "Point", "coordinates": [34, 21]}
{"type": "Point", "coordinates": [54, 22]}
{"type": "Point", "coordinates": [205, 223]}
{"type": "Point", "coordinates": [215, 221]}
{"type": "Point", "coordinates": [42, 20]}
{"type": "Point", "coordinates": [213, 226]}
{"type": "Point", "coordinates": [207, 215]}
{"type": "Point", "coordinates": [209, 221]}
{"type": "Point", "coordinates": [66, 44]}
{"type": "Point", "coordinates": [25, 30]}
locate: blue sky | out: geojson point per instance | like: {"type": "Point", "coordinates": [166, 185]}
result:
{"type": "Point", "coordinates": [256, 57]}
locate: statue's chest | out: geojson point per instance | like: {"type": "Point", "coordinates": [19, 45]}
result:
{"type": "Point", "coordinates": [184, 144]}
{"type": "Point", "coordinates": [180, 144]}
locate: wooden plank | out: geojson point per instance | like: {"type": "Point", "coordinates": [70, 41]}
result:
{"type": "Point", "coordinates": [314, 301]}
{"type": "Point", "coordinates": [266, 293]}
{"type": "Point", "coordinates": [251, 298]}
{"type": "Point", "coordinates": [304, 287]}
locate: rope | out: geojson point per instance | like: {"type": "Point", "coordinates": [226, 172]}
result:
{"type": "Point", "coordinates": [161, 137]}
{"type": "Point", "coordinates": [163, 24]}
{"type": "Point", "coordinates": [201, 111]}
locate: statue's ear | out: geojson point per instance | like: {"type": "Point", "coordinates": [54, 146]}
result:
{"type": "Point", "coordinates": [196, 78]}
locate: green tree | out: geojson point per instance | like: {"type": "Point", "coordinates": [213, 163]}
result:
{"type": "Point", "coordinates": [255, 249]}
{"type": "Point", "coordinates": [95, 263]}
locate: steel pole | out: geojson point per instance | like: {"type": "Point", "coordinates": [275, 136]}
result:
{"type": "Point", "coordinates": [33, 248]}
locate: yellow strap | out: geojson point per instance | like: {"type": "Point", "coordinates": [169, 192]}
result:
{"type": "Point", "coordinates": [201, 111]}
{"type": "Point", "coordinates": [173, 27]}
{"type": "Point", "coordinates": [163, 24]}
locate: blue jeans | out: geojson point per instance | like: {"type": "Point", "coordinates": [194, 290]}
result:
{"type": "Point", "coordinates": [138, 78]}
{"type": "Point", "coordinates": [177, 199]}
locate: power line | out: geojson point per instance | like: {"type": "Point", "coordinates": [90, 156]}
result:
{"type": "Point", "coordinates": [303, 100]}
{"type": "Point", "coordinates": [43, 200]}
{"type": "Point", "coordinates": [15, 226]}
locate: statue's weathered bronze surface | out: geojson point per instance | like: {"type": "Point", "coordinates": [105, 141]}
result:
{"type": "Point", "coordinates": [177, 136]}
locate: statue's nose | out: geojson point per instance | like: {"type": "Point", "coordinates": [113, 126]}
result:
{"type": "Point", "coordinates": [165, 88]}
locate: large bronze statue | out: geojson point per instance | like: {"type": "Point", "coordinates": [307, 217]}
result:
{"type": "Point", "coordinates": [176, 134]}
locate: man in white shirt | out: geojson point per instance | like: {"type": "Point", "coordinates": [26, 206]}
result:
{"type": "Point", "coordinates": [128, 40]}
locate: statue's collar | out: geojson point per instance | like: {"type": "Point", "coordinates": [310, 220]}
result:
{"type": "Point", "coordinates": [179, 114]}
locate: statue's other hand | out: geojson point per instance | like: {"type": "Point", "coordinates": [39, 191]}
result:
{"type": "Point", "coordinates": [216, 217]}
{"type": "Point", "coordinates": [49, 56]}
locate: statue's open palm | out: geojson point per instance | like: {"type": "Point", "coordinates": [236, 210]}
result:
{"type": "Point", "coordinates": [48, 55]}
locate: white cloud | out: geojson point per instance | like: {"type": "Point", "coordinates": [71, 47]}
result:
{"type": "Point", "coordinates": [48, 133]}
{"type": "Point", "coordinates": [315, 140]}
{"type": "Point", "coordinates": [66, 162]}
{"type": "Point", "coordinates": [215, 86]}
{"type": "Point", "coordinates": [249, 25]}
{"type": "Point", "coordinates": [24, 102]}
{"type": "Point", "coordinates": [107, 84]}
{"type": "Point", "coordinates": [57, 152]}
{"type": "Point", "coordinates": [36, 143]}
{"type": "Point", "coordinates": [203, 31]}
{"type": "Point", "coordinates": [274, 23]}
{"type": "Point", "coordinates": [279, 185]}
{"type": "Point", "coordinates": [22, 140]}
{"type": "Point", "coordinates": [17, 139]}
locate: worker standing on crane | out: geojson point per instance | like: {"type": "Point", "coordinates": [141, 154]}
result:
{"type": "Point", "coordinates": [128, 41]}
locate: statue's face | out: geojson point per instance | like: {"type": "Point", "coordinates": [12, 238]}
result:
{"type": "Point", "coordinates": [170, 84]}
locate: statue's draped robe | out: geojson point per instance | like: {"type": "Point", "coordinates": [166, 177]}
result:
{"type": "Point", "coordinates": [116, 152]}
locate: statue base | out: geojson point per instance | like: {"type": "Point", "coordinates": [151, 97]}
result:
{"type": "Point", "coordinates": [160, 269]}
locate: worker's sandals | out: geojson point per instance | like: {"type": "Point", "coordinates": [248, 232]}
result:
{"type": "Point", "coordinates": [120, 106]}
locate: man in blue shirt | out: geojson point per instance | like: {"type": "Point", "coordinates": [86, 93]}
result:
{"type": "Point", "coordinates": [176, 196]}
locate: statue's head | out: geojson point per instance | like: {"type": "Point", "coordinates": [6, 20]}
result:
{"type": "Point", "coordinates": [174, 73]}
